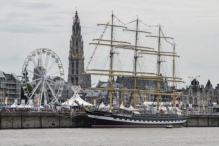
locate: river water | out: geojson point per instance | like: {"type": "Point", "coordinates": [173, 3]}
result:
{"type": "Point", "coordinates": [108, 137]}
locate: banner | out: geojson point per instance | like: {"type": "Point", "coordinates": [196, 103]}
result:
{"type": "Point", "coordinates": [180, 104]}
{"type": "Point", "coordinates": [203, 105]}
{"type": "Point", "coordinates": [184, 105]}
{"type": "Point", "coordinates": [30, 102]}
{"type": "Point", "coordinates": [122, 102]}
{"type": "Point", "coordinates": [114, 102]}
{"type": "Point", "coordinates": [15, 101]}
{"type": "Point", "coordinates": [67, 101]}
{"type": "Point", "coordinates": [22, 102]}
{"type": "Point", "coordinates": [94, 102]}
{"type": "Point", "coordinates": [6, 100]}
{"type": "Point", "coordinates": [45, 102]}
{"type": "Point", "coordinates": [190, 105]}
{"type": "Point", "coordinates": [36, 100]}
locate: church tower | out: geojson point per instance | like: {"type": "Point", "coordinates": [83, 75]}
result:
{"type": "Point", "coordinates": [76, 57]}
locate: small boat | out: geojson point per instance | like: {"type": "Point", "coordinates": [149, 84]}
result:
{"type": "Point", "coordinates": [169, 126]}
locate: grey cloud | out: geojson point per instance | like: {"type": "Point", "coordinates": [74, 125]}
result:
{"type": "Point", "coordinates": [50, 18]}
{"type": "Point", "coordinates": [26, 5]}
{"type": "Point", "coordinates": [38, 6]}
{"type": "Point", "coordinates": [27, 29]}
{"type": "Point", "coordinates": [12, 15]}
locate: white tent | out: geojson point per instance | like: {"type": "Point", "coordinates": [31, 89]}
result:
{"type": "Point", "coordinates": [14, 105]}
{"type": "Point", "coordinates": [41, 106]}
{"type": "Point", "coordinates": [28, 106]}
{"type": "Point", "coordinates": [155, 103]}
{"type": "Point", "coordinates": [121, 106]}
{"type": "Point", "coordinates": [77, 98]}
{"type": "Point", "coordinates": [20, 106]}
{"type": "Point", "coordinates": [131, 107]}
{"type": "Point", "coordinates": [102, 105]}
{"type": "Point", "coordinates": [128, 109]}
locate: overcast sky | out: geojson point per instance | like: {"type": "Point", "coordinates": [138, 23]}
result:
{"type": "Point", "coordinates": [27, 25]}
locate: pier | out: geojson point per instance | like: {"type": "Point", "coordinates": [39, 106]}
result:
{"type": "Point", "coordinates": [30, 120]}
{"type": "Point", "coordinates": [205, 120]}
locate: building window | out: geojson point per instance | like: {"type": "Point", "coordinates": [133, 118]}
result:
{"type": "Point", "coordinates": [76, 64]}
{"type": "Point", "coordinates": [76, 80]}
{"type": "Point", "coordinates": [185, 99]}
{"type": "Point", "coordinates": [72, 80]}
{"type": "Point", "coordinates": [190, 100]}
{"type": "Point", "coordinates": [76, 71]}
{"type": "Point", "coordinates": [72, 71]}
{"type": "Point", "coordinates": [195, 100]}
{"type": "Point", "coordinates": [72, 64]}
{"type": "Point", "coordinates": [76, 43]}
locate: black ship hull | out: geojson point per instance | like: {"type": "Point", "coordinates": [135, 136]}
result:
{"type": "Point", "coordinates": [108, 120]}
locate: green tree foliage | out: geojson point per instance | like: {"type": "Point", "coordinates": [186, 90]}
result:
{"type": "Point", "coordinates": [29, 87]}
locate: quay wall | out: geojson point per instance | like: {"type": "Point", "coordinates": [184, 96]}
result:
{"type": "Point", "coordinates": [29, 120]}
{"type": "Point", "coordinates": [202, 121]}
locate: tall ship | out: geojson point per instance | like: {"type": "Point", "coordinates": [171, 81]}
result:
{"type": "Point", "coordinates": [143, 115]}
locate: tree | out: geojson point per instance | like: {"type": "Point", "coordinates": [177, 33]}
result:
{"type": "Point", "coordinates": [29, 87]}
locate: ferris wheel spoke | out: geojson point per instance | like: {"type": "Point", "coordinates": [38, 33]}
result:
{"type": "Point", "coordinates": [42, 91]}
{"type": "Point", "coordinates": [51, 81]}
{"type": "Point", "coordinates": [33, 72]}
{"type": "Point", "coordinates": [35, 65]}
{"type": "Point", "coordinates": [34, 90]}
{"type": "Point", "coordinates": [45, 90]}
{"type": "Point", "coordinates": [51, 90]}
{"type": "Point", "coordinates": [47, 60]}
{"type": "Point", "coordinates": [47, 71]}
{"type": "Point", "coordinates": [34, 80]}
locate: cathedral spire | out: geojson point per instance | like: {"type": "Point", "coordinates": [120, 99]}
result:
{"type": "Point", "coordinates": [76, 57]}
{"type": "Point", "coordinates": [76, 15]}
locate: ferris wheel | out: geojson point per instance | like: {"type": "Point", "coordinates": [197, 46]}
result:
{"type": "Point", "coordinates": [39, 70]}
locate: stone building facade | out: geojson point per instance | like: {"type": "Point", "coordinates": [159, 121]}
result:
{"type": "Point", "coordinates": [76, 57]}
{"type": "Point", "coordinates": [9, 87]}
{"type": "Point", "coordinates": [201, 98]}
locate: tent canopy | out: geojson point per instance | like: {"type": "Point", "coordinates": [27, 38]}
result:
{"type": "Point", "coordinates": [78, 99]}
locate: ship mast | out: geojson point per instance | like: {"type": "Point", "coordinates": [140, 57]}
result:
{"type": "Point", "coordinates": [159, 54]}
{"type": "Point", "coordinates": [159, 62]}
{"type": "Point", "coordinates": [174, 75]}
{"type": "Point", "coordinates": [135, 64]}
{"type": "Point", "coordinates": [111, 66]}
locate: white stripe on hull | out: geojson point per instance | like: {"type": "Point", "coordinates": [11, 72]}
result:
{"type": "Point", "coordinates": [136, 121]}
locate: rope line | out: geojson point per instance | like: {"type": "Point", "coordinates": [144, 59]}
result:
{"type": "Point", "coordinates": [148, 25]}
{"type": "Point", "coordinates": [165, 38]}
{"type": "Point", "coordinates": [123, 22]}
{"type": "Point", "coordinates": [80, 82]}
